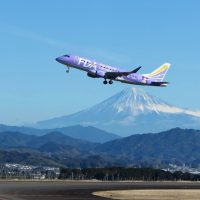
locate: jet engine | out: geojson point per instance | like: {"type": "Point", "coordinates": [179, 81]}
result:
{"type": "Point", "coordinates": [92, 75]}
{"type": "Point", "coordinates": [96, 74]}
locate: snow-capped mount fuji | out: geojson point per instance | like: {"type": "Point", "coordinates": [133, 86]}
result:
{"type": "Point", "coordinates": [130, 111]}
{"type": "Point", "coordinates": [137, 101]}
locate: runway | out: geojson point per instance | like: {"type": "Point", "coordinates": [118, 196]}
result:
{"type": "Point", "coordinates": [77, 190]}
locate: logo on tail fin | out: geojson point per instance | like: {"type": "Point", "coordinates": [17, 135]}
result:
{"type": "Point", "coordinates": [159, 74]}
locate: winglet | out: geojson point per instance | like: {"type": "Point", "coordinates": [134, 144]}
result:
{"type": "Point", "coordinates": [135, 70]}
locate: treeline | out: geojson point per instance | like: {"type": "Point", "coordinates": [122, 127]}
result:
{"type": "Point", "coordinates": [122, 174]}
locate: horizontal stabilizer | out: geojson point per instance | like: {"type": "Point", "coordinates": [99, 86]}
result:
{"type": "Point", "coordinates": [159, 83]}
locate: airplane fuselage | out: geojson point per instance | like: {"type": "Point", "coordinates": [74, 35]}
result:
{"type": "Point", "coordinates": [99, 70]}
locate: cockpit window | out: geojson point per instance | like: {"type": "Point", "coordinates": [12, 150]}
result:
{"type": "Point", "coordinates": [67, 56]}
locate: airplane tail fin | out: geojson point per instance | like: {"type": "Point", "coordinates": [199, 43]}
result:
{"type": "Point", "coordinates": [159, 74]}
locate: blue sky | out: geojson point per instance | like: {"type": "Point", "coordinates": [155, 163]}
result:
{"type": "Point", "coordinates": [121, 33]}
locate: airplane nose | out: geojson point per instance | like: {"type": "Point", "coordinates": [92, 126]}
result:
{"type": "Point", "coordinates": [58, 59]}
{"type": "Point", "coordinates": [63, 59]}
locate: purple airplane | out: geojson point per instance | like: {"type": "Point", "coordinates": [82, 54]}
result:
{"type": "Point", "coordinates": [99, 70]}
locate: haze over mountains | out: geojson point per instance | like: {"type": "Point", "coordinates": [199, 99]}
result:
{"type": "Point", "coordinates": [131, 111]}
{"type": "Point", "coordinates": [88, 133]}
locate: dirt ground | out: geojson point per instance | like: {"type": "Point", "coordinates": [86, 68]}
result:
{"type": "Point", "coordinates": [184, 194]}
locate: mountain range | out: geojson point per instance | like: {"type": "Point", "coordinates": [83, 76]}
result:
{"type": "Point", "coordinates": [131, 111]}
{"type": "Point", "coordinates": [87, 133]}
{"type": "Point", "coordinates": [72, 141]}
{"type": "Point", "coordinates": [176, 146]}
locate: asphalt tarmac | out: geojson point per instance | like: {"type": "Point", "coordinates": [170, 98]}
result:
{"type": "Point", "coordinates": [60, 190]}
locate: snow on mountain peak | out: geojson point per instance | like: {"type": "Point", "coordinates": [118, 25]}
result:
{"type": "Point", "coordinates": [134, 101]}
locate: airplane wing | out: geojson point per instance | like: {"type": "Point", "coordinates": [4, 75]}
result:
{"type": "Point", "coordinates": [114, 75]}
